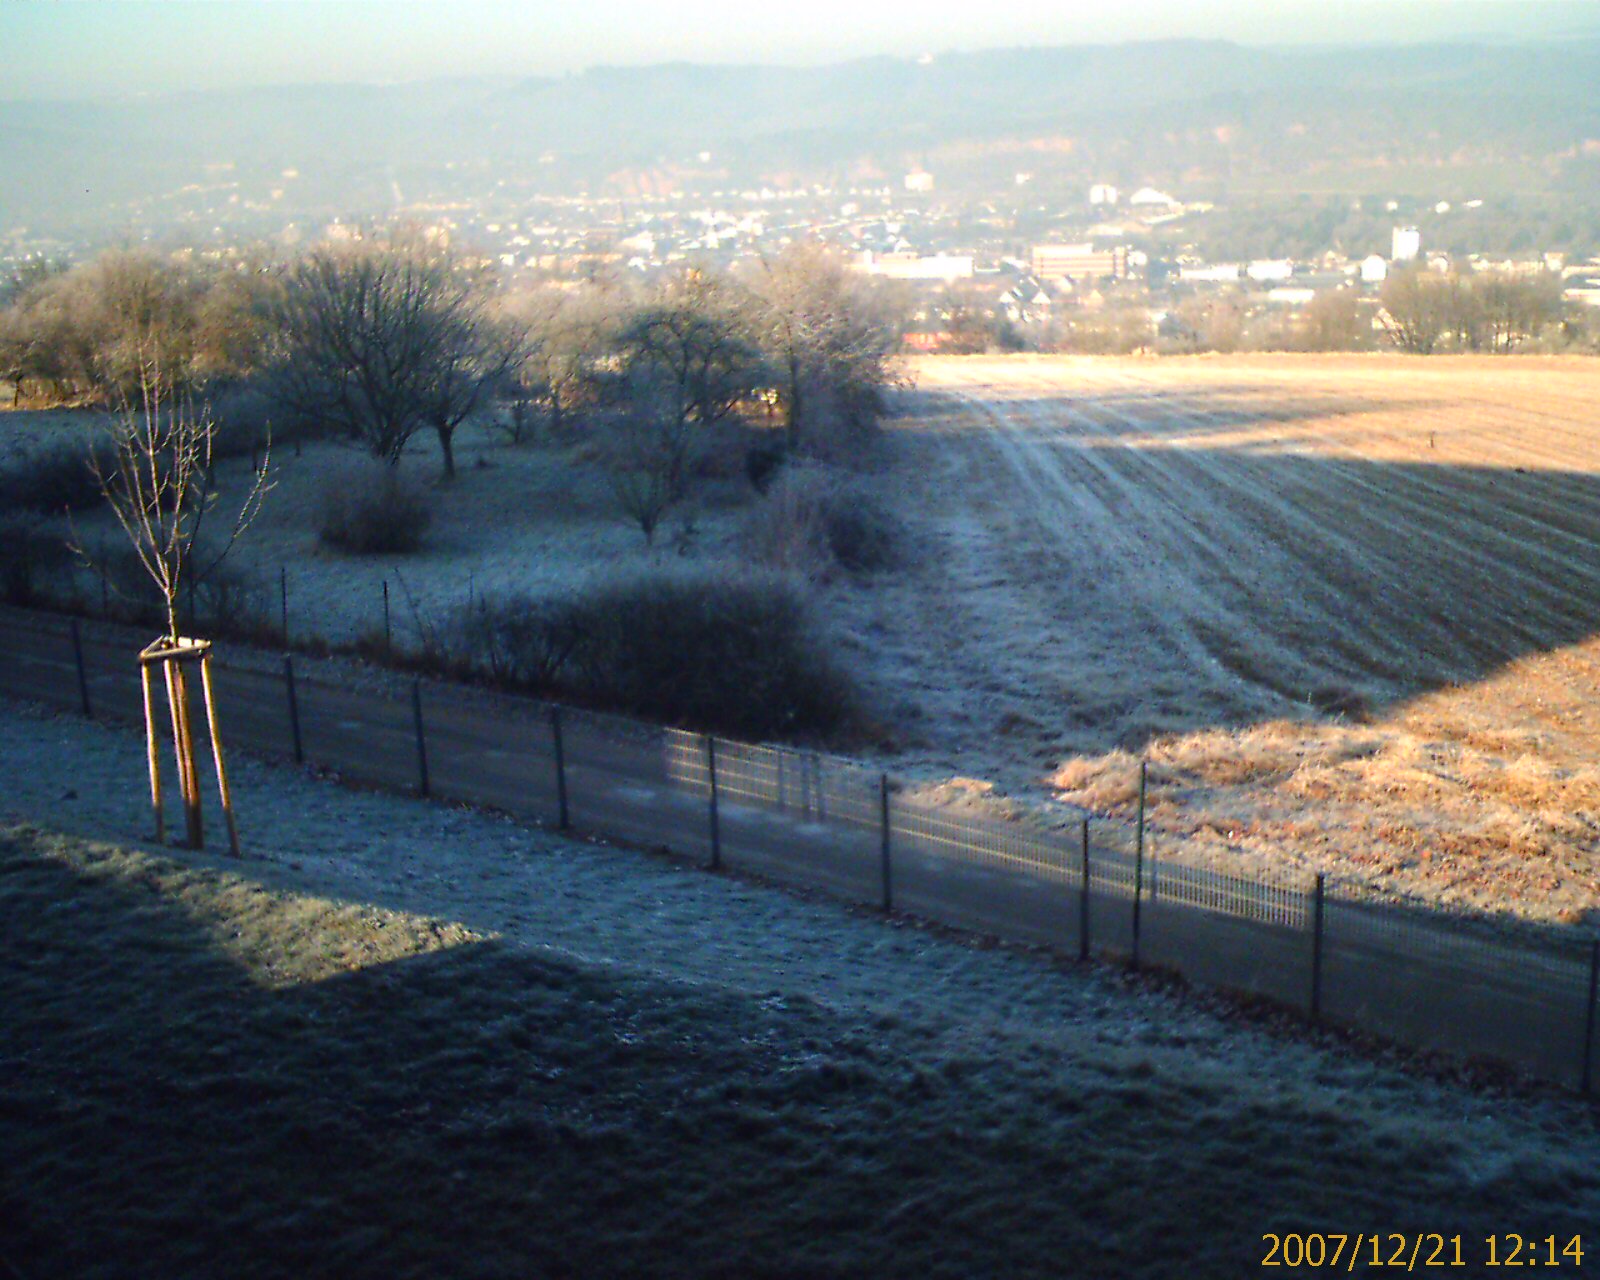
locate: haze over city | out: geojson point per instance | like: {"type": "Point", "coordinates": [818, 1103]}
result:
{"type": "Point", "coordinates": [87, 48]}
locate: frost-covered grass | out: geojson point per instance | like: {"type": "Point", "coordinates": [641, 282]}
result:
{"type": "Point", "coordinates": [406, 1040]}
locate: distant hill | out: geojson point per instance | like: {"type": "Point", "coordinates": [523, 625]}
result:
{"type": "Point", "coordinates": [1209, 117]}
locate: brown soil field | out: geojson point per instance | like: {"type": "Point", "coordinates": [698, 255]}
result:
{"type": "Point", "coordinates": [1347, 607]}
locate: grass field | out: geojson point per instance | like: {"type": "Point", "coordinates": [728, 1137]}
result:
{"type": "Point", "coordinates": [207, 1076]}
{"type": "Point", "coordinates": [1346, 605]}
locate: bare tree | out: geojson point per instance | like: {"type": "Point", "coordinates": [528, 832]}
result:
{"type": "Point", "coordinates": [1417, 310]}
{"type": "Point", "coordinates": [470, 359]}
{"type": "Point", "coordinates": [159, 490]}
{"type": "Point", "coordinates": [827, 345]}
{"type": "Point", "coordinates": [687, 348]}
{"type": "Point", "coordinates": [647, 452]}
{"type": "Point", "coordinates": [375, 339]}
{"type": "Point", "coordinates": [158, 486]}
{"type": "Point", "coordinates": [557, 341]}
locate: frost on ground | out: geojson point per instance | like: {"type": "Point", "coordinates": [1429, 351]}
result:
{"type": "Point", "coordinates": [1345, 606]}
{"type": "Point", "coordinates": [835, 1084]}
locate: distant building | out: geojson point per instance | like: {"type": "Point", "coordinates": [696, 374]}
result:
{"type": "Point", "coordinates": [1103, 193]}
{"type": "Point", "coordinates": [1405, 244]}
{"type": "Point", "coordinates": [1290, 297]}
{"type": "Point", "coordinates": [1264, 269]}
{"type": "Point", "coordinates": [913, 266]}
{"type": "Point", "coordinates": [1374, 269]}
{"type": "Point", "coordinates": [1215, 273]}
{"type": "Point", "coordinates": [1078, 262]}
{"type": "Point", "coordinates": [1149, 196]}
{"type": "Point", "coordinates": [919, 181]}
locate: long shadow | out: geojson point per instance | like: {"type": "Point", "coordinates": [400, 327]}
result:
{"type": "Point", "coordinates": [1292, 572]}
{"type": "Point", "coordinates": [1226, 408]}
{"type": "Point", "coordinates": [485, 1112]}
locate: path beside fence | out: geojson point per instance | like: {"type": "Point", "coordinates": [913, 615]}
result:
{"type": "Point", "coordinates": [832, 825]}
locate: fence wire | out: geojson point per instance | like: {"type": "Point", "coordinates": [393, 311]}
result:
{"type": "Point", "coordinates": [632, 777]}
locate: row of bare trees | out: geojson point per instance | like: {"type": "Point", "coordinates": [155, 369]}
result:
{"type": "Point", "coordinates": [385, 337]}
{"type": "Point", "coordinates": [1426, 311]}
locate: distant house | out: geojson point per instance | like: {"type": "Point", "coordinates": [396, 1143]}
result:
{"type": "Point", "coordinates": [1027, 301]}
{"type": "Point", "coordinates": [1374, 269]}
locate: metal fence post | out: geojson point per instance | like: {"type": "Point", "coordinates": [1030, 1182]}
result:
{"type": "Point", "coordinates": [1316, 951]}
{"type": "Point", "coordinates": [283, 602]}
{"type": "Point", "coordinates": [1083, 899]}
{"type": "Point", "coordinates": [422, 742]}
{"type": "Point", "coordinates": [294, 709]}
{"type": "Point", "coordinates": [565, 818]}
{"type": "Point", "coordinates": [1588, 1021]}
{"type": "Point", "coordinates": [83, 675]}
{"type": "Point", "coordinates": [1144, 774]}
{"type": "Point", "coordinates": [388, 633]}
{"type": "Point", "coordinates": [716, 827]}
{"type": "Point", "coordinates": [884, 862]}
{"type": "Point", "coordinates": [1138, 871]}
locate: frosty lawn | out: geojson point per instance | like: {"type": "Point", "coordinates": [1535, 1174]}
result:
{"type": "Point", "coordinates": [416, 1041]}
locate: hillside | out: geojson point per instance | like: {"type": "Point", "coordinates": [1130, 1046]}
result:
{"type": "Point", "coordinates": [1213, 116]}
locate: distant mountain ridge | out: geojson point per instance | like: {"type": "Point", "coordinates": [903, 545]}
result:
{"type": "Point", "coordinates": [1208, 114]}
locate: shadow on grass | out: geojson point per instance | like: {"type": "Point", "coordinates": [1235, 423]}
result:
{"type": "Point", "coordinates": [188, 1094]}
{"type": "Point", "coordinates": [1252, 577]}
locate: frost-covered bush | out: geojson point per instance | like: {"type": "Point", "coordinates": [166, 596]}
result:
{"type": "Point", "coordinates": [56, 479]}
{"type": "Point", "coordinates": [813, 519]}
{"type": "Point", "coordinates": [373, 509]}
{"type": "Point", "coordinates": [710, 648]}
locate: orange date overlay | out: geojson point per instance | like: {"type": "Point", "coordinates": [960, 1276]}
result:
{"type": "Point", "coordinates": [1419, 1251]}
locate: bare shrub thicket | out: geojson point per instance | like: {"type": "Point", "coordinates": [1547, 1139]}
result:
{"type": "Point", "coordinates": [59, 478]}
{"type": "Point", "coordinates": [709, 648]}
{"type": "Point", "coordinates": [371, 508]}
{"type": "Point", "coordinates": [815, 519]}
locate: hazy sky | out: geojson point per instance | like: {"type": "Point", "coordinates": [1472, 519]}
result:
{"type": "Point", "coordinates": [88, 48]}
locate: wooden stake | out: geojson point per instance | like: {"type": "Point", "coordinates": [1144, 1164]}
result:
{"type": "Point", "coordinates": [216, 754]}
{"type": "Point", "coordinates": [177, 730]}
{"type": "Point", "coordinates": [153, 752]}
{"type": "Point", "coordinates": [195, 828]}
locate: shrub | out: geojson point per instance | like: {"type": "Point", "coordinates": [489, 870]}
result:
{"type": "Point", "coordinates": [244, 419]}
{"type": "Point", "coordinates": [56, 479]}
{"type": "Point", "coordinates": [761, 464]}
{"type": "Point", "coordinates": [373, 509]}
{"type": "Point", "coordinates": [520, 641]}
{"type": "Point", "coordinates": [814, 519]}
{"type": "Point", "coordinates": [711, 649]}
{"type": "Point", "coordinates": [33, 563]}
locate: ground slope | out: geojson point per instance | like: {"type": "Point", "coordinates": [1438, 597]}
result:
{"type": "Point", "coordinates": [406, 1040]}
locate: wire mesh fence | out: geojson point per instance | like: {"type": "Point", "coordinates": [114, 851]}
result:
{"type": "Point", "coordinates": [837, 826]}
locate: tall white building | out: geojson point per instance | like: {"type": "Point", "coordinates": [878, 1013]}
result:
{"type": "Point", "coordinates": [1405, 244]}
{"type": "Point", "coordinates": [1103, 193]}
